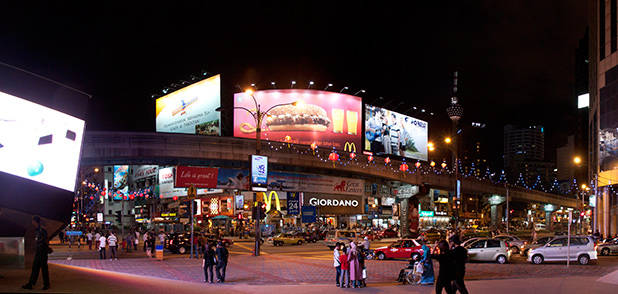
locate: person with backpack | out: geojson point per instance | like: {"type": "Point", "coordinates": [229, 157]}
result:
{"type": "Point", "coordinates": [222, 259]}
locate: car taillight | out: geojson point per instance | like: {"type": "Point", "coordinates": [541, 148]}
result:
{"type": "Point", "coordinates": [506, 244]}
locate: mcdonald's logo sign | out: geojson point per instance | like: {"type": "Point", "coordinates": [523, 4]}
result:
{"type": "Point", "coordinates": [349, 147]}
{"type": "Point", "coordinates": [268, 201]}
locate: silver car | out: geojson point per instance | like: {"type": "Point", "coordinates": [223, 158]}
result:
{"type": "Point", "coordinates": [514, 243]}
{"type": "Point", "coordinates": [608, 247]}
{"type": "Point", "coordinates": [485, 249]}
{"type": "Point", "coordinates": [581, 249]}
{"type": "Point", "coordinates": [523, 250]}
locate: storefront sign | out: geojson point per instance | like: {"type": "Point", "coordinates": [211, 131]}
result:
{"type": "Point", "coordinates": [99, 217]}
{"type": "Point", "coordinates": [309, 214]}
{"type": "Point", "coordinates": [332, 202]}
{"type": "Point", "coordinates": [201, 177]}
{"type": "Point", "coordinates": [269, 200]}
{"type": "Point", "coordinates": [279, 181]}
{"type": "Point", "coordinates": [144, 171]}
{"type": "Point", "coordinates": [293, 203]}
{"type": "Point", "coordinates": [168, 214]}
{"type": "Point", "coordinates": [388, 201]}
{"type": "Point", "coordinates": [259, 172]}
{"type": "Point", "coordinates": [426, 213]}
{"type": "Point", "coordinates": [440, 213]}
{"type": "Point", "coordinates": [407, 191]}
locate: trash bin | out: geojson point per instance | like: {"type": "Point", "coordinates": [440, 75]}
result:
{"type": "Point", "coordinates": [159, 252]}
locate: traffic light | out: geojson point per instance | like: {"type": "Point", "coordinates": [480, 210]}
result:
{"type": "Point", "coordinates": [263, 211]}
{"type": "Point", "coordinates": [118, 216]}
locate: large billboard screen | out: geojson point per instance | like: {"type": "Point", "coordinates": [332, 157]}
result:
{"type": "Point", "coordinates": [39, 143]}
{"type": "Point", "coordinates": [391, 133]}
{"type": "Point", "coordinates": [192, 109]}
{"type": "Point", "coordinates": [302, 117]}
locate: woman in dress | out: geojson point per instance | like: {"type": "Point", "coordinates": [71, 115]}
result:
{"type": "Point", "coordinates": [356, 272]}
{"type": "Point", "coordinates": [428, 275]}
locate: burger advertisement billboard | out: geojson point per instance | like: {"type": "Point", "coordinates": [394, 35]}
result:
{"type": "Point", "coordinates": [303, 117]}
{"type": "Point", "coordinates": [191, 110]}
{"type": "Point", "coordinates": [391, 133]}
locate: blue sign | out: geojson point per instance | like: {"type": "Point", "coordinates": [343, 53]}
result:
{"type": "Point", "coordinates": [309, 214]}
{"type": "Point", "coordinates": [293, 203]}
{"type": "Point", "coordinates": [73, 233]}
{"type": "Point", "coordinates": [259, 171]}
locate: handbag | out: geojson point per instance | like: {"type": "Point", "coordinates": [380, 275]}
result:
{"type": "Point", "coordinates": [418, 268]}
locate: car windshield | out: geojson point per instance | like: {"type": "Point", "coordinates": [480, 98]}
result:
{"type": "Point", "coordinates": [396, 244]}
{"type": "Point", "coordinates": [541, 241]}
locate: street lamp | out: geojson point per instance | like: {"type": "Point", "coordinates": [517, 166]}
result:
{"type": "Point", "coordinates": [328, 86]}
{"type": "Point", "coordinates": [258, 115]}
{"type": "Point", "coordinates": [359, 91]}
{"type": "Point", "coordinates": [342, 89]}
{"type": "Point", "coordinates": [577, 160]}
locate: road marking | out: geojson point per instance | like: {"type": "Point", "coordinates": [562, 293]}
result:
{"type": "Point", "coordinates": [250, 248]}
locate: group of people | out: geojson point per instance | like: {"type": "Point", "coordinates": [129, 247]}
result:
{"type": "Point", "coordinates": [103, 240]}
{"type": "Point", "coordinates": [214, 258]}
{"type": "Point", "coordinates": [349, 263]}
{"type": "Point", "coordinates": [451, 257]}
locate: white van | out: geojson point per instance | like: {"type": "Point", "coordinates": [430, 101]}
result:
{"type": "Point", "coordinates": [342, 236]}
{"type": "Point", "coordinates": [581, 249]}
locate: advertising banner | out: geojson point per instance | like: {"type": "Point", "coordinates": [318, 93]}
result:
{"type": "Point", "coordinates": [239, 201]}
{"type": "Point", "coordinates": [293, 202]}
{"type": "Point", "coordinates": [391, 133]}
{"type": "Point", "coordinates": [334, 204]}
{"type": "Point", "coordinates": [191, 110]}
{"type": "Point", "coordinates": [200, 177]}
{"type": "Point", "coordinates": [308, 215]}
{"type": "Point", "coordinates": [39, 143]}
{"type": "Point", "coordinates": [144, 171]}
{"type": "Point", "coordinates": [281, 181]}
{"type": "Point", "coordinates": [121, 179]}
{"type": "Point", "coordinates": [303, 117]}
{"type": "Point", "coordinates": [259, 172]}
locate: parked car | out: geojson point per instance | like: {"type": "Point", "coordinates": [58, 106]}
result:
{"type": "Point", "coordinates": [287, 238]}
{"type": "Point", "coordinates": [404, 248]}
{"type": "Point", "coordinates": [608, 247]}
{"type": "Point", "coordinates": [178, 243]}
{"type": "Point", "coordinates": [582, 249]}
{"type": "Point", "coordinates": [341, 236]}
{"type": "Point", "coordinates": [484, 249]}
{"type": "Point", "coordinates": [388, 233]}
{"type": "Point", "coordinates": [514, 243]}
{"type": "Point", "coordinates": [309, 237]}
{"type": "Point", "coordinates": [370, 235]}
{"type": "Point", "coordinates": [523, 249]}
{"type": "Point", "coordinates": [432, 235]}
{"type": "Point", "coordinates": [212, 238]}
{"type": "Point", "coordinates": [465, 243]}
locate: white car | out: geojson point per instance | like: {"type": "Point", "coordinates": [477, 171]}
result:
{"type": "Point", "coordinates": [523, 250]}
{"type": "Point", "coordinates": [608, 247]}
{"type": "Point", "coordinates": [341, 236]}
{"type": "Point", "coordinates": [513, 242]}
{"type": "Point", "coordinates": [488, 250]}
{"type": "Point", "coordinates": [582, 249]}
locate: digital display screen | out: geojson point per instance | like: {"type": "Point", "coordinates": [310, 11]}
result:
{"type": "Point", "coordinates": [192, 109]}
{"type": "Point", "coordinates": [298, 116]}
{"type": "Point", "coordinates": [259, 172]}
{"type": "Point", "coordinates": [392, 133]}
{"type": "Point", "coordinates": [39, 143]}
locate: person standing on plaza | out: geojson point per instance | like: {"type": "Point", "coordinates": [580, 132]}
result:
{"type": "Point", "coordinates": [337, 263]}
{"type": "Point", "coordinates": [222, 259]}
{"type": "Point", "coordinates": [428, 275]}
{"type": "Point", "coordinates": [447, 265]}
{"type": "Point", "coordinates": [97, 236]}
{"type": "Point", "coordinates": [136, 238]}
{"type": "Point", "coordinates": [61, 236]}
{"type": "Point", "coordinates": [145, 238]}
{"type": "Point", "coordinates": [40, 256]}
{"type": "Point", "coordinates": [356, 272]}
{"type": "Point", "coordinates": [345, 268]}
{"type": "Point", "coordinates": [361, 262]}
{"type": "Point", "coordinates": [460, 255]}
{"type": "Point", "coordinates": [102, 244]}
{"type": "Point", "coordinates": [89, 240]}
{"type": "Point", "coordinates": [208, 263]}
{"type": "Point", "coordinates": [162, 238]}
{"type": "Point", "coordinates": [113, 245]}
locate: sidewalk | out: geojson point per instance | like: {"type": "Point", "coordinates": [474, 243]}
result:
{"type": "Point", "coordinates": [69, 279]}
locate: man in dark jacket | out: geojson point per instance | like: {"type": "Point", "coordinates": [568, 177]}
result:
{"type": "Point", "coordinates": [40, 256]}
{"type": "Point", "coordinates": [222, 258]}
{"type": "Point", "coordinates": [461, 256]}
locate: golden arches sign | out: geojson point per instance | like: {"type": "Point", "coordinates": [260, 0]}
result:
{"type": "Point", "coordinates": [349, 147]}
{"type": "Point", "coordinates": [268, 201]}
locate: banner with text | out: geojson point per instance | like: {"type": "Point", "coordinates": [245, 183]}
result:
{"type": "Point", "coordinates": [200, 177]}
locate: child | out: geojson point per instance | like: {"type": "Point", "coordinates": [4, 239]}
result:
{"type": "Point", "coordinates": [345, 268]}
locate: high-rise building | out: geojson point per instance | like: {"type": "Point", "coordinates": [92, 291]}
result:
{"type": "Point", "coordinates": [564, 161]}
{"type": "Point", "coordinates": [524, 153]}
{"type": "Point", "coordinates": [474, 153]}
{"type": "Point", "coordinates": [603, 115]}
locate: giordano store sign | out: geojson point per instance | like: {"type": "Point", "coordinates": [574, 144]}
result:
{"type": "Point", "coordinates": [334, 204]}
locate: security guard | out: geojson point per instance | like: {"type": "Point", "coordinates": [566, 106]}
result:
{"type": "Point", "coordinates": [40, 257]}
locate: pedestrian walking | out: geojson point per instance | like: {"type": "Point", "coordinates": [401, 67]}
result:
{"type": "Point", "coordinates": [149, 244]}
{"type": "Point", "coordinates": [196, 245]}
{"type": "Point", "coordinates": [337, 263]}
{"type": "Point", "coordinates": [208, 263]}
{"type": "Point", "coordinates": [113, 245]}
{"type": "Point", "coordinates": [97, 236]}
{"type": "Point", "coordinates": [222, 259]}
{"type": "Point", "coordinates": [61, 236]}
{"type": "Point", "coordinates": [460, 256]}
{"type": "Point", "coordinates": [345, 268]}
{"type": "Point", "coordinates": [356, 272]}
{"type": "Point", "coordinates": [428, 275]}
{"type": "Point", "coordinates": [89, 240]}
{"type": "Point", "coordinates": [136, 241]}
{"type": "Point", "coordinates": [361, 261]}
{"type": "Point", "coordinates": [102, 244]}
{"type": "Point", "coordinates": [145, 238]}
{"type": "Point", "coordinates": [40, 256]}
{"type": "Point", "coordinates": [446, 272]}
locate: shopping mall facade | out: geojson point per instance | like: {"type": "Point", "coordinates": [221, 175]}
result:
{"type": "Point", "coordinates": [137, 173]}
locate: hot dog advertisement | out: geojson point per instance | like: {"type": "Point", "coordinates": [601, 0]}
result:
{"type": "Point", "coordinates": [299, 116]}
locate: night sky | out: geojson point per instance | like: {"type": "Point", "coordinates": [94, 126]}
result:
{"type": "Point", "coordinates": [515, 58]}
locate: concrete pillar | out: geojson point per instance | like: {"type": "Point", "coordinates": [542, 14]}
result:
{"type": "Point", "coordinates": [403, 217]}
{"type": "Point", "coordinates": [606, 217]}
{"type": "Point", "coordinates": [548, 219]}
{"type": "Point", "coordinates": [494, 214]}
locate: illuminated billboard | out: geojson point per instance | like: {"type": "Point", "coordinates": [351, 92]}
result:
{"type": "Point", "coordinates": [302, 117]}
{"type": "Point", "coordinates": [391, 133]}
{"type": "Point", "coordinates": [192, 109]}
{"type": "Point", "coordinates": [39, 143]}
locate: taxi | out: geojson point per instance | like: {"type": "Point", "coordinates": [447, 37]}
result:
{"type": "Point", "coordinates": [404, 248]}
{"type": "Point", "coordinates": [286, 238]}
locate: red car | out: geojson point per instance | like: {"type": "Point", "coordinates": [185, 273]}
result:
{"type": "Point", "coordinates": [388, 233]}
{"type": "Point", "coordinates": [404, 248]}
